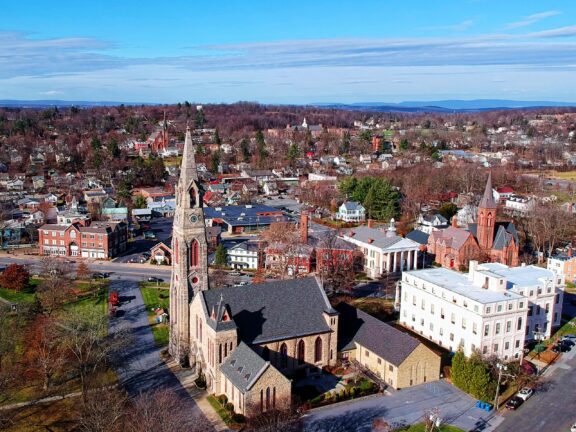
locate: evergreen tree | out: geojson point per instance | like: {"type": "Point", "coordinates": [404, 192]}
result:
{"type": "Point", "coordinates": [245, 149]}
{"type": "Point", "coordinates": [293, 153]}
{"type": "Point", "coordinates": [215, 161]}
{"type": "Point", "coordinates": [221, 257]}
{"type": "Point", "coordinates": [345, 147]}
{"type": "Point", "coordinates": [261, 147]}
{"type": "Point", "coordinates": [200, 119]}
{"type": "Point", "coordinates": [217, 139]}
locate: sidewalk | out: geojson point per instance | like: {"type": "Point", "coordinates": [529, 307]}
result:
{"type": "Point", "coordinates": [186, 378]}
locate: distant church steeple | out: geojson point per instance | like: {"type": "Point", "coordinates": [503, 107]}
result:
{"type": "Point", "coordinates": [189, 252]}
{"type": "Point", "coordinates": [486, 217]}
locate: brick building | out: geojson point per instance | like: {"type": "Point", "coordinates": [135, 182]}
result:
{"type": "Point", "coordinates": [486, 240]}
{"type": "Point", "coordinates": [101, 240]}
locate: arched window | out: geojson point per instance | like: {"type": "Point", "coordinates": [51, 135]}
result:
{"type": "Point", "coordinates": [194, 254]}
{"type": "Point", "coordinates": [274, 397]}
{"type": "Point", "coordinates": [283, 356]}
{"type": "Point", "coordinates": [261, 400]}
{"type": "Point", "coordinates": [176, 251]}
{"type": "Point", "coordinates": [192, 198]}
{"type": "Point", "coordinates": [267, 398]}
{"type": "Point", "coordinates": [489, 219]}
{"type": "Point", "coordinates": [219, 353]}
{"type": "Point", "coordinates": [318, 349]}
{"type": "Point", "coordinates": [301, 349]}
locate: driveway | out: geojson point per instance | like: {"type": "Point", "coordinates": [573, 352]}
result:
{"type": "Point", "coordinates": [140, 368]}
{"type": "Point", "coordinates": [406, 406]}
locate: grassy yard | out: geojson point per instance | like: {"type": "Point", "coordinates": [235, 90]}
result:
{"type": "Point", "coordinates": [154, 298]}
{"type": "Point", "coordinates": [26, 296]}
{"type": "Point", "coordinates": [154, 285]}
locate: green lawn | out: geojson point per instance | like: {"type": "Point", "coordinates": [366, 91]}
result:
{"type": "Point", "coordinates": [154, 298]}
{"type": "Point", "coordinates": [26, 296]}
{"type": "Point", "coordinates": [154, 285]}
{"type": "Point", "coordinates": [97, 299]}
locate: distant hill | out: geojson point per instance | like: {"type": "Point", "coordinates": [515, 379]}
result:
{"type": "Point", "coordinates": [447, 105]}
{"type": "Point", "coordinates": [9, 103]}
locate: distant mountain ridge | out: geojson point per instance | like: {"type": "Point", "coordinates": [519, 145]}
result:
{"type": "Point", "coordinates": [14, 103]}
{"type": "Point", "coordinates": [450, 105]}
{"type": "Point", "coordinates": [445, 106]}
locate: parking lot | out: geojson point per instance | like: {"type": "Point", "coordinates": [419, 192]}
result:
{"type": "Point", "coordinates": [162, 229]}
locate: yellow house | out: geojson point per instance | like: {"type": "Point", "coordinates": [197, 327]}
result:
{"type": "Point", "coordinates": [396, 358]}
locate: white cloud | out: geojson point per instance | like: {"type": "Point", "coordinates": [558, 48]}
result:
{"type": "Point", "coordinates": [532, 19]}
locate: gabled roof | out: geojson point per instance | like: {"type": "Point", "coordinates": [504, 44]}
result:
{"type": "Point", "coordinates": [505, 233]}
{"type": "Point", "coordinates": [379, 238]}
{"type": "Point", "coordinates": [273, 311]}
{"type": "Point", "coordinates": [451, 237]}
{"type": "Point", "coordinates": [382, 339]}
{"type": "Point", "coordinates": [243, 367]}
{"type": "Point", "coordinates": [353, 205]}
{"type": "Point", "coordinates": [418, 236]}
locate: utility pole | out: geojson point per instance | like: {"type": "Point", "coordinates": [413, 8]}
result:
{"type": "Point", "coordinates": [500, 367]}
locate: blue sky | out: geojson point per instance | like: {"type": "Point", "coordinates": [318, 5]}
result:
{"type": "Point", "coordinates": [288, 51]}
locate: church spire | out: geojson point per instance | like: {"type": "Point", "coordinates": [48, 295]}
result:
{"type": "Point", "coordinates": [487, 200]}
{"type": "Point", "coordinates": [188, 169]}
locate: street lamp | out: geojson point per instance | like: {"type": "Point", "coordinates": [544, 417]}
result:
{"type": "Point", "coordinates": [500, 367]}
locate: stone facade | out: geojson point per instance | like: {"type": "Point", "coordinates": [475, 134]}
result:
{"type": "Point", "coordinates": [190, 254]}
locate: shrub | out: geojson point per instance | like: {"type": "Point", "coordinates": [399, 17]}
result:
{"type": "Point", "coordinates": [222, 399]}
{"type": "Point", "coordinates": [353, 392]}
{"type": "Point", "coordinates": [229, 407]}
{"type": "Point", "coordinates": [200, 381]}
{"type": "Point", "coordinates": [238, 418]}
{"type": "Point", "coordinates": [15, 277]}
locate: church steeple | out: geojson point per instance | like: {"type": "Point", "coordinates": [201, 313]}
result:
{"type": "Point", "coordinates": [189, 253]}
{"type": "Point", "coordinates": [486, 217]}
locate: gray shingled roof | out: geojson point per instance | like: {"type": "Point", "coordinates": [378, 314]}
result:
{"type": "Point", "coordinates": [352, 205]}
{"type": "Point", "coordinates": [382, 339]}
{"type": "Point", "coordinates": [273, 311]}
{"type": "Point", "coordinates": [418, 236]}
{"type": "Point", "coordinates": [379, 238]}
{"type": "Point", "coordinates": [243, 367]}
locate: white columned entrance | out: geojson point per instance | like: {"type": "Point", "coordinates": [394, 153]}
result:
{"type": "Point", "coordinates": [409, 260]}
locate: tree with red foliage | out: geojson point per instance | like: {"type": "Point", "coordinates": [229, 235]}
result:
{"type": "Point", "coordinates": [45, 353]}
{"type": "Point", "coordinates": [16, 277]}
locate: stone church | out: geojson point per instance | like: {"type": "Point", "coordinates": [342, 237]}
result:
{"type": "Point", "coordinates": [247, 341]}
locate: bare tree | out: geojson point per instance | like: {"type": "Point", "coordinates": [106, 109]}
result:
{"type": "Point", "coordinates": [163, 411]}
{"type": "Point", "coordinates": [103, 411]}
{"type": "Point", "coordinates": [276, 420]}
{"type": "Point", "coordinates": [88, 345]}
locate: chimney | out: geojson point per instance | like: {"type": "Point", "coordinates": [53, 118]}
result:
{"type": "Point", "coordinates": [454, 222]}
{"type": "Point", "coordinates": [304, 227]}
{"type": "Point", "coordinates": [370, 223]}
{"type": "Point", "coordinates": [570, 252]}
{"type": "Point", "coordinates": [370, 241]}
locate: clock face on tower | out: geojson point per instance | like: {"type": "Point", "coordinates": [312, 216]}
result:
{"type": "Point", "coordinates": [193, 218]}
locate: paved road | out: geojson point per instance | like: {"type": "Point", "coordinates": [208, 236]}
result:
{"type": "Point", "coordinates": [553, 406]}
{"type": "Point", "coordinates": [117, 270]}
{"type": "Point", "coordinates": [140, 368]}
{"type": "Point", "coordinates": [403, 407]}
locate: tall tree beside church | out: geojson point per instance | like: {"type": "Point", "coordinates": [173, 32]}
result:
{"type": "Point", "coordinates": [221, 257]}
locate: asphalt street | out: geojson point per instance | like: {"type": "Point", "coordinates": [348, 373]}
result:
{"type": "Point", "coordinates": [139, 366]}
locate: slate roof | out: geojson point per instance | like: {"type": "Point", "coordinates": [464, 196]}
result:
{"type": "Point", "coordinates": [246, 216]}
{"type": "Point", "coordinates": [352, 205]}
{"type": "Point", "coordinates": [505, 233]}
{"type": "Point", "coordinates": [451, 236]}
{"type": "Point", "coordinates": [379, 238]}
{"type": "Point", "coordinates": [487, 200]}
{"type": "Point", "coordinates": [418, 236]}
{"type": "Point", "coordinates": [382, 339]}
{"type": "Point", "coordinates": [272, 311]}
{"type": "Point", "coordinates": [243, 367]}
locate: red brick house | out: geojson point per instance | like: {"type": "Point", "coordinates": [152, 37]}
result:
{"type": "Point", "coordinates": [100, 240]}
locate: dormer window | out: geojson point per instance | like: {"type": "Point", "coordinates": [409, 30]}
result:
{"type": "Point", "coordinates": [233, 362]}
{"type": "Point", "coordinates": [240, 369]}
{"type": "Point", "coordinates": [247, 377]}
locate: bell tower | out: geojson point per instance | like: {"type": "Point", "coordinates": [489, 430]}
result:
{"type": "Point", "coordinates": [486, 217]}
{"type": "Point", "coordinates": [189, 253]}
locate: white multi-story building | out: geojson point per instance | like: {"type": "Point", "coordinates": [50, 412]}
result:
{"type": "Point", "coordinates": [493, 309]}
{"type": "Point", "coordinates": [244, 255]}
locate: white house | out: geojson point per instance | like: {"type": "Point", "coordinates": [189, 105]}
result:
{"type": "Point", "coordinates": [243, 255]}
{"type": "Point", "coordinates": [351, 211]}
{"type": "Point", "coordinates": [383, 251]}
{"type": "Point", "coordinates": [431, 222]}
{"type": "Point", "coordinates": [494, 308]}
{"type": "Point", "coordinates": [520, 205]}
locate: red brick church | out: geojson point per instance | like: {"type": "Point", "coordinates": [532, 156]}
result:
{"type": "Point", "coordinates": [486, 240]}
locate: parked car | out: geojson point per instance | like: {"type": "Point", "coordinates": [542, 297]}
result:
{"type": "Point", "coordinates": [525, 393]}
{"type": "Point", "coordinates": [514, 403]}
{"type": "Point", "coordinates": [155, 279]}
{"type": "Point", "coordinates": [561, 347]}
{"type": "Point", "coordinates": [235, 273]}
{"type": "Point", "coordinates": [243, 283]}
{"type": "Point", "coordinates": [573, 428]}
{"type": "Point", "coordinates": [99, 276]}
{"type": "Point", "coordinates": [570, 337]}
